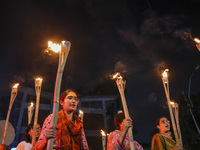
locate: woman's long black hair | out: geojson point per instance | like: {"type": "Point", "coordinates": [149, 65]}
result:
{"type": "Point", "coordinates": [27, 137]}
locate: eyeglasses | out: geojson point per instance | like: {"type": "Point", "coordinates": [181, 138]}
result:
{"type": "Point", "coordinates": [39, 128]}
{"type": "Point", "coordinates": [73, 97]}
{"type": "Point", "coordinates": [165, 121]}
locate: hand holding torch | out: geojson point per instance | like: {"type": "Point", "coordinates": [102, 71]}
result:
{"type": "Point", "coordinates": [121, 85]}
{"type": "Point", "coordinates": [64, 49]}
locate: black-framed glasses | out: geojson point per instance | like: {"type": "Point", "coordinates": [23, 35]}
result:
{"type": "Point", "coordinates": [73, 97]}
{"type": "Point", "coordinates": [165, 121]}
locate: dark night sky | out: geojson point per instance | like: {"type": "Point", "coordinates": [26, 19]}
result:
{"type": "Point", "coordinates": [136, 37]}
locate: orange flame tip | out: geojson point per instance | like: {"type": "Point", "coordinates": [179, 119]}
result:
{"type": "Point", "coordinates": [196, 40]}
{"type": "Point", "coordinates": [103, 133]}
{"type": "Point", "coordinates": [39, 79]}
{"type": "Point", "coordinates": [165, 73]}
{"type": "Point", "coordinates": [54, 47]}
{"type": "Point", "coordinates": [80, 111]}
{"type": "Point", "coordinates": [16, 85]}
{"type": "Point", "coordinates": [32, 104]}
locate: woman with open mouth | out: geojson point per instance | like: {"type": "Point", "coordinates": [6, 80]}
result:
{"type": "Point", "coordinates": [163, 139]}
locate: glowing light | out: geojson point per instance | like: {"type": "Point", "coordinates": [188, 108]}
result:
{"type": "Point", "coordinates": [103, 133]}
{"type": "Point", "coordinates": [16, 85]}
{"type": "Point", "coordinates": [32, 104]}
{"type": "Point", "coordinates": [80, 111]}
{"type": "Point", "coordinates": [54, 47]}
{"type": "Point", "coordinates": [196, 40]}
{"type": "Point", "coordinates": [172, 103]}
{"type": "Point", "coordinates": [38, 82]}
{"type": "Point", "coordinates": [165, 73]}
{"type": "Point", "coordinates": [115, 75]}
{"type": "Point", "coordinates": [39, 79]}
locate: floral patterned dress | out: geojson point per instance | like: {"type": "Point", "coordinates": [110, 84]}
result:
{"type": "Point", "coordinates": [113, 143]}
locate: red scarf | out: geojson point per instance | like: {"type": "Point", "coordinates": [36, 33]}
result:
{"type": "Point", "coordinates": [69, 132]}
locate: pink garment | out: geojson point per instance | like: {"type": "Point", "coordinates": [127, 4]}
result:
{"type": "Point", "coordinates": [113, 143]}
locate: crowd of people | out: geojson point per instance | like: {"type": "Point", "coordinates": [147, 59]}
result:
{"type": "Point", "coordinates": [69, 133]}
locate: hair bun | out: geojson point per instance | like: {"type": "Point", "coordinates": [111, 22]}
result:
{"type": "Point", "coordinates": [119, 112]}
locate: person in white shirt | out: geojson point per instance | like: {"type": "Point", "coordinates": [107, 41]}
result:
{"type": "Point", "coordinates": [25, 144]}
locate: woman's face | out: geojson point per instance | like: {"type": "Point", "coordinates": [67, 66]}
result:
{"type": "Point", "coordinates": [70, 102]}
{"type": "Point", "coordinates": [164, 125]}
{"type": "Point", "coordinates": [38, 131]}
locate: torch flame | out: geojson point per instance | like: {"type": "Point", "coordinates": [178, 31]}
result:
{"type": "Point", "coordinates": [16, 85]}
{"type": "Point", "coordinates": [165, 73]}
{"type": "Point", "coordinates": [32, 104]}
{"type": "Point", "coordinates": [103, 133]}
{"type": "Point", "coordinates": [173, 104]}
{"type": "Point", "coordinates": [196, 40]}
{"type": "Point", "coordinates": [39, 79]}
{"type": "Point", "coordinates": [54, 47]}
{"type": "Point", "coordinates": [115, 75]}
{"type": "Point", "coordinates": [80, 111]}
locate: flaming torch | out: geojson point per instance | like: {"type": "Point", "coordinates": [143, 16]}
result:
{"type": "Point", "coordinates": [38, 86]}
{"type": "Point", "coordinates": [197, 43]}
{"type": "Point", "coordinates": [30, 112]}
{"type": "Point", "coordinates": [64, 49]}
{"type": "Point", "coordinates": [103, 135]}
{"type": "Point", "coordinates": [166, 87]}
{"type": "Point", "coordinates": [12, 99]}
{"type": "Point", "coordinates": [176, 114]}
{"type": "Point", "coordinates": [80, 115]}
{"type": "Point", "coordinates": [121, 85]}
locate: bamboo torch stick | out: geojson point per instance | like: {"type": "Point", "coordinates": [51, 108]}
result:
{"type": "Point", "coordinates": [30, 112]}
{"type": "Point", "coordinates": [64, 51]}
{"type": "Point", "coordinates": [103, 135]}
{"type": "Point", "coordinates": [38, 86]}
{"type": "Point", "coordinates": [80, 115]}
{"type": "Point", "coordinates": [12, 99]}
{"type": "Point", "coordinates": [176, 114]}
{"type": "Point", "coordinates": [166, 87]}
{"type": "Point", "coordinates": [121, 85]}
